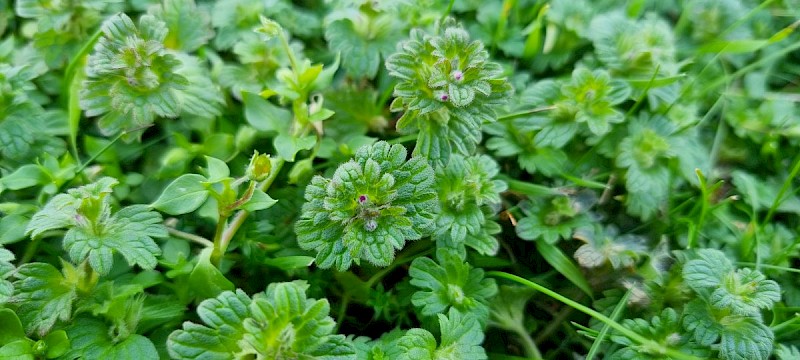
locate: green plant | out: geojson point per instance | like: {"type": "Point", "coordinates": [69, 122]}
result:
{"type": "Point", "coordinates": [375, 180]}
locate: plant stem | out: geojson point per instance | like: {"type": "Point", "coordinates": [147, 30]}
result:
{"type": "Point", "coordinates": [219, 245]}
{"type": "Point", "coordinates": [647, 343]}
{"type": "Point", "coordinates": [784, 188]}
{"type": "Point", "coordinates": [30, 250]}
{"type": "Point", "coordinates": [191, 237]}
{"type": "Point", "coordinates": [238, 219]}
{"type": "Point", "coordinates": [531, 350]}
{"type": "Point", "coordinates": [342, 311]}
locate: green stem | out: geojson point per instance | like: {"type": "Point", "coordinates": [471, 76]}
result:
{"type": "Point", "coordinates": [528, 188]}
{"type": "Point", "coordinates": [241, 216]}
{"type": "Point", "coordinates": [604, 331]}
{"type": "Point", "coordinates": [784, 188]}
{"type": "Point", "coordinates": [290, 53]}
{"type": "Point", "coordinates": [219, 245]}
{"type": "Point", "coordinates": [447, 11]}
{"type": "Point", "coordinates": [30, 250]}
{"type": "Point", "coordinates": [782, 52]}
{"type": "Point", "coordinates": [74, 110]}
{"type": "Point", "coordinates": [531, 350]}
{"type": "Point", "coordinates": [342, 311]}
{"type": "Point", "coordinates": [694, 234]}
{"type": "Point", "coordinates": [108, 146]}
{"type": "Point", "coordinates": [779, 328]}
{"type": "Point", "coordinates": [191, 237]}
{"type": "Point", "coordinates": [647, 343]}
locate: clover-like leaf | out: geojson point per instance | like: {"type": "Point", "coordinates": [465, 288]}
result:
{"type": "Point", "coordinates": [594, 95]}
{"type": "Point", "coordinates": [467, 191]}
{"type": "Point", "coordinates": [363, 40]}
{"type": "Point", "coordinates": [664, 329]}
{"type": "Point", "coordinates": [745, 291]}
{"type": "Point", "coordinates": [189, 26]}
{"type": "Point", "coordinates": [460, 340]}
{"type": "Point", "coordinates": [707, 270]}
{"type": "Point", "coordinates": [446, 79]}
{"type": "Point", "coordinates": [737, 336]}
{"type": "Point", "coordinates": [62, 26]}
{"type": "Point", "coordinates": [450, 283]}
{"type": "Point", "coordinates": [281, 323]}
{"type": "Point", "coordinates": [44, 296]}
{"type": "Point", "coordinates": [553, 220]}
{"type": "Point", "coordinates": [131, 78]}
{"type": "Point", "coordinates": [25, 132]}
{"type": "Point", "coordinates": [605, 246]}
{"type": "Point", "coordinates": [371, 206]}
{"type": "Point", "coordinates": [95, 234]}
{"type": "Point", "coordinates": [746, 338]}
{"type": "Point", "coordinates": [219, 338]}
{"type": "Point", "coordinates": [284, 323]}
{"type": "Point", "coordinates": [91, 339]}
{"type": "Point", "coordinates": [634, 47]}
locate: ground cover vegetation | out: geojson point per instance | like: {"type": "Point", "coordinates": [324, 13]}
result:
{"type": "Point", "coordinates": [365, 180]}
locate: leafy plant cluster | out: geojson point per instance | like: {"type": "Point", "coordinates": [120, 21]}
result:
{"type": "Point", "coordinates": [350, 179]}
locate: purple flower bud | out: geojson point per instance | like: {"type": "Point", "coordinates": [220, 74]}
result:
{"type": "Point", "coordinates": [362, 199]}
{"type": "Point", "coordinates": [458, 75]}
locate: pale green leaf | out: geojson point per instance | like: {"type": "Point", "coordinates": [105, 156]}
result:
{"type": "Point", "coordinates": [184, 195]}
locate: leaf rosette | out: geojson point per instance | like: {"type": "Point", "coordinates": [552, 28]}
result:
{"type": "Point", "coordinates": [447, 88]}
{"type": "Point", "coordinates": [369, 208]}
{"type": "Point", "coordinates": [131, 77]}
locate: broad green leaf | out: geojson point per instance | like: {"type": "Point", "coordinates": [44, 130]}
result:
{"type": "Point", "coordinates": [461, 339]}
{"type": "Point", "coordinates": [282, 322]}
{"type": "Point", "coordinates": [746, 339]}
{"type": "Point", "coordinates": [285, 307]}
{"type": "Point", "coordinates": [219, 338]}
{"type": "Point", "coordinates": [24, 177]}
{"type": "Point", "coordinates": [12, 327]}
{"type": "Point", "coordinates": [90, 339]}
{"type": "Point", "coordinates": [259, 201]}
{"type": "Point", "coordinates": [129, 232]}
{"type": "Point", "coordinates": [708, 270]}
{"type": "Point", "coordinates": [184, 195]}
{"type": "Point", "coordinates": [57, 344]}
{"type": "Point", "coordinates": [217, 170]}
{"type": "Point", "coordinates": [12, 228]}
{"type": "Point", "coordinates": [450, 283]}
{"type": "Point", "coordinates": [206, 280]}
{"type": "Point", "coordinates": [18, 350]}
{"type": "Point", "coordinates": [44, 297]}
{"type": "Point", "coordinates": [361, 53]}
{"type": "Point", "coordinates": [288, 146]}
{"type": "Point", "coordinates": [263, 115]}
{"type": "Point", "coordinates": [745, 292]}
{"type": "Point", "coordinates": [189, 26]}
